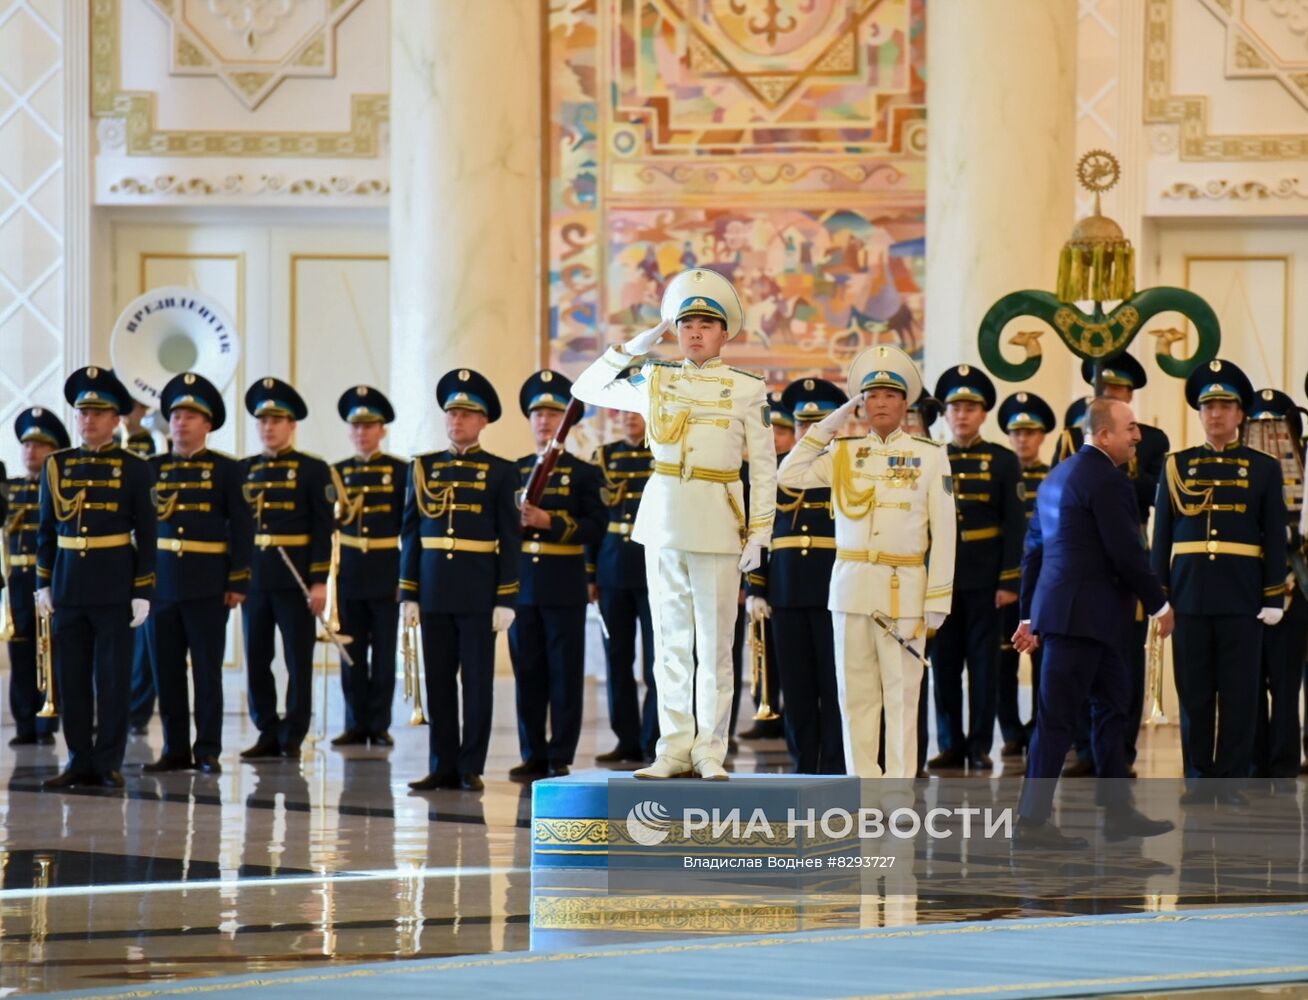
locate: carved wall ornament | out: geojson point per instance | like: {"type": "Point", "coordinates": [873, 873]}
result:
{"type": "Point", "coordinates": [251, 19]}
{"type": "Point", "coordinates": [231, 185]}
{"type": "Point", "coordinates": [1227, 190]}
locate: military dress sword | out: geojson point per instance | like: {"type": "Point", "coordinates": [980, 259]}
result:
{"type": "Point", "coordinates": [333, 636]}
{"type": "Point", "coordinates": [888, 627]}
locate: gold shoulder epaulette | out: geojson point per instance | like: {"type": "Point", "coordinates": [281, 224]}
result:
{"type": "Point", "coordinates": [849, 437]}
{"type": "Point", "coordinates": [741, 371]}
{"type": "Point", "coordinates": [662, 364]}
{"type": "Point", "coordinates": [926, 440]}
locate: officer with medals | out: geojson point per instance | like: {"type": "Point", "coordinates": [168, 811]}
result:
{"type": "Point", "coordinates": [95, 574]}
{"type": "Point", "coordinates": [1026, 419]}
{"type": "Point", "coordinates": [991, 525]}
{"type": "Point", "coordinates": [372, 486]}
{"type": "Point", "coordinates": [793, 592]}
{"type": "Point", "coordinates": [205, 530]}
{"type": "Point", "coordinates": [41, 434]}
{"type": "Point", "coordinates": [548, 637]}
{"type": "Point", "coordinates": [459, 577]}
{"type": "Point", "coordinates": [700, 533]}
{"type": "Point", "coordinates": [894, 566]}
{"type": "Point", "coordinates": [1276, 735]}
{"type": "Point", "coordinates": [623, 595]}
{"type": "Point", "coordinates": [291, 496]}
{"type": "Point", "coordinates": [1220, 551]}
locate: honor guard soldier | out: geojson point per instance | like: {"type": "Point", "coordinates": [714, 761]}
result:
{"type": "Point", "coordinates": [1275, 420]}
{"type": "Point", "coordinates": [623, 595]}
{"type": "Point", "coordinates": [95, 571]}
{"type": "Point", "coordinates": [1026, 419]}
{"type": "Point", "coordinates": [894, 566]}
{"type": "Point", "coordinates": [922, 415]}
{"type": "Point", "coordinates": [140, 443]}
{"type": "Point", "coordinates": [291, 496]}
{"type": "Point", "coordinates": [40, 433]}
{"type": "Point", "coordinates": [1073, 435]}
{"type": "Point", "coordinates": [548, 637]}
{"type": "Point", "coordinates": [372, 485]}
{"type": "Point", "coordinates": [699, 534]}
{"type": "Point", "coordinates": [459, 577]}
{"type": "Point", "coordinates": [1220, 551]}
{"type": "Point", "coordinates": [783, 425]}
{"type": "Point", "coordinates": [793, 587]}
{"type": "Point", "coordinates": [991, 524]}
{"type": "Point", "coordinates": [205, 531]}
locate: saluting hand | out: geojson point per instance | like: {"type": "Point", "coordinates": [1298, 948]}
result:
{"type": "Point", "coordinates": [830, 425]}
{"type": "Point", "coordinates": [534, 517]}
{"type": "Point", "coordinates": [643, 342]}
{"type": "Point", "coordinates": [318, 599]}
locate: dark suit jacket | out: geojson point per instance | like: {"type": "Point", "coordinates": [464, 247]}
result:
{"type": "Point", "coordinates": [1084, 564]}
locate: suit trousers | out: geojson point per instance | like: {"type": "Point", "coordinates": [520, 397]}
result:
{"type": "Point", "coordinates": [548, 647]}
{"type": "Point", "coordinates": [969, 636]}
{"type": "Point", "coordinates": [369, 686]}
{"type": "Point", "coordinates": [694, 603]}
{"type": "Point", "coordinates": [873, 672]}
{"type": "Point", "coordinates": [806, 655]}
{"type": "Point", "coordinates": [1218, 673]}
{"type": "Point", "coordinates": [1012, 727]}
{"type": "Point", "coordinates": [93, 667]}
{"type": "Point", "coordinates": [634, 723]}
{"type": "Point", "coordinates": [25, 700]}
{"type": "Point", "coordinates": [263, 614]}
{"type": "Point", "coordinates": [454, 648]}
{"type": "Point", "coordinates": [1076, 668]}
{"type": "Point", "coordinates": [1276, 735]}
{"type": "Point", "coordinates": [197, 627]}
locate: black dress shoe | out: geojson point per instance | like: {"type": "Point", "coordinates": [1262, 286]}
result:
{"type": "Point", "coordinates": [1029, 835]}
{"type": "Point", "coordinates": [621, 754]}
{"type": "Point", "coordinates": [350, 738]}
{"type": "Point", "coordinates": [1081, 769]}
{"type": "Point", "coordinates": [110, 779]}
{"type": "Point", "coordinates": [528, 770]}
{"type": "Point", "coordinates": [264, 747]}
{"type": "Point", "coordinates": [1013, 748]}
{"type": "Point", "coordinates": [167, 763]}
{"type": "Point", "coordinates": [1230, 798]}
{"type": "Point", "coordinates": [471, 783]}
{"type": "Point", "coordinates": [382, 739]}
{"type": "Point", "coordinates": [45, 740]}
{"type": "Point", "coordinates": [763, 731]}
{"type": "Point", "coordinates": [23, 741]}
{"type": "Point", "coordinates": [208, 765]}
{"type": "Point", "coordinates": [947, 760]}
{"type": "Point", "coordinates": [980, 762]}
{"type": "Point", "coordinates": [67, 779]}
{"type": "Point", "coordinates": [733, 746]}
{"type": "Point", "coordinates": [140, 728]}
{"type": "Point", "coordinates": [291, 751]}
{"type": "Point", "coordinates": [1121, 824]}
{"type": "Point", "coordinates": [559, 770]}
{"type": "Point", "coordinates": [434, 781]}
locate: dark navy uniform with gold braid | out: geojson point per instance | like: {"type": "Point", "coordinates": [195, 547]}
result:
{"type": "Point", "coordinates": [140, 444]}
{"type": "Point", "coordinates": [373, 489]}
{"type": "Point", "coordinates": [96, 551]}
{"type": "Point", "coordinates": [1220, 551]}
{"type": "Point", "coordinates": [21, 521]}
{"type": "Point", "coordinates": [624, 598]}
{"type": "Point", "coordinates": [795, 580]}
{"type": "Point", "coordinates": [459, 561]}
{"type": "Point", "coordinates": [1020, 411]}
{"type": "Point", "coordinates": [548, 637]}
{"type": "Point", "coordinates": [141, 700]}
{"type": "Point", "coordinates": [991, 526]}
{"type": "Point", "coordinates": [205, 532]}
{"type": "Point", "coordinates": [291, 496]}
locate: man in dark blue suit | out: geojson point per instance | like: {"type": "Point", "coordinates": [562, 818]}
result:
{"type": "Point", "coordinates": [1083, 570]}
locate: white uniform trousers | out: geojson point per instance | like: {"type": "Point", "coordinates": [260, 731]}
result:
{"type": "Point", "coordinates": [693, 598]}
{"type": "Point", "coordinates": [873, 671]}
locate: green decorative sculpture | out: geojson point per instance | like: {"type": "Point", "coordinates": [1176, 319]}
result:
{"type": "Point", "coordinates": [1097, 264]}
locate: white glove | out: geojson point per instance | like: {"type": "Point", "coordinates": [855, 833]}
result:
{"type": "Point", "coordinates": [502, 618]}
{"type": "Point", "coordinates": [412, 614]}
{"type": "Point", "coordinates": [45, 601]}
{"type": "Point", "coordinates": [140, 611]}
{"type": "Point", "coordinates": [830, 425]}
{"type": "Point", "coordinates": [759, 604]}
{"type": "Point", "coordinates": [1271, 616]}
{"type": "Point", "coordinates": [934, 619]}
{"type": "Point", "coordinates": [643, 342]}
{"type": "Point", "coordinates": [752, 558]}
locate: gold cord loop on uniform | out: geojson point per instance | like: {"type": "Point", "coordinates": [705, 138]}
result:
{"type": "Point", "coordinates": [64, 509]}
{"type": "Point", "coordinates": [852, 502]}
{"type": "Point", "coordinates": [664, 427]}
{"type": "Point", "coordinates": [165, 506]}
{"type": "Point", "coordinates": [1177, 489]}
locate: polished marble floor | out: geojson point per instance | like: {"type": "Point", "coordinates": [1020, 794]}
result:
{"type": "Point", "coordinates": [328, 860]}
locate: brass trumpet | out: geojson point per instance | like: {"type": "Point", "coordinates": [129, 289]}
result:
{"type": "Point", "coordinates": [412, 673]}
{"type": "Point", "coordinates": [758, 667]}
{"type": "Point", "coordinates": [45, 675]}
{"type": "Point", "coordinates": [1154, 676]}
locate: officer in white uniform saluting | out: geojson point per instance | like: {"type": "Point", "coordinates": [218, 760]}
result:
{"type": "Point", "coordinates": [894, 571]}
{"type": "Point", "coordinates": [703, 418]}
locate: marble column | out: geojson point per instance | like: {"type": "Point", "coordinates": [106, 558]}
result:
{"type": "Point", "coordinates": [1000, 173]}
{"type": "Point", "coordinates": [465, 217]}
